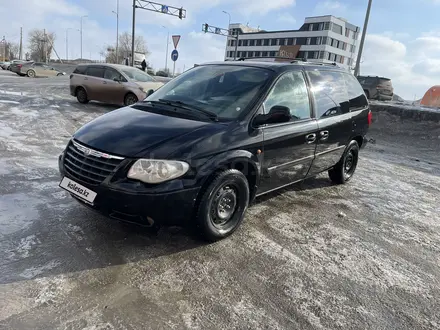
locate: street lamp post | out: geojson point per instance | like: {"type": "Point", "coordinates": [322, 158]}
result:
{"type": "Point", "coordinates": [81, 31]}
{"type": "Point", "coordinates": [166, 55]}
{"type": "Point", "coordinates": [361, 46]}
{"type": "Point", "coordinates": [117, 30]}
{"type": "Point", "coordinates": [67, 42]}
{"type": "Point", "coordinates": [229, 33]}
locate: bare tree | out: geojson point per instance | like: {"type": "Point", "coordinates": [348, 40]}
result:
{"type": "Point", "coordinates": [124, 48]}
{"type": "Point", "coordinates": [14, 49]}
{"type": "Point", "coordinates": [40, 45]}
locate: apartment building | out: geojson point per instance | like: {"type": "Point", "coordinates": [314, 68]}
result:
{"type": "Point", "coordinates": [327, 39]}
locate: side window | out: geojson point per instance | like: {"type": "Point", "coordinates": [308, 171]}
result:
{"type": "Point", "coordinates": [330, 93]}
{"type": "Point", "coordinates": [111, 74]}
{"type": "Point", "coordinates": [355, 92]}
{"type": "Point", "coordinates": [95, 71]}
{"type": "Point", "coordinates": [290, 91]}
{"type": "Point", "coordinates": [80, 70]}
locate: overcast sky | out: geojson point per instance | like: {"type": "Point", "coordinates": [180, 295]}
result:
{"type": "Point", "coordinates": [403, 41]}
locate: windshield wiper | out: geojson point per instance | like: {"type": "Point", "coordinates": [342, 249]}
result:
{"type": "Point", "coordinates": [187, 106]}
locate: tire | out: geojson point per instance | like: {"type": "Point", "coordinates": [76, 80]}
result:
{"type": "Point", "coordinates": [227, 190]}
{"type": "Point", "coordinates": [130, 99]}
{"type": "Point", "coordinates": [59, 74]}
{"type": "Point", "coordinates": [81, 95]}
{"type": "Point", "coordinates": [344, 170]}
{"type": "Point", "coordinates": [30, 73]}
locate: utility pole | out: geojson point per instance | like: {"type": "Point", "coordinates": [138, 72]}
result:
{"type": "Point", "coordinates": [82, 35]}
{"type": "Point", "coordinates": [361, 46]}
{"type": "Point", "coordinates": [45, 45]}
{"type": "Point", "coordinates": [117, 30]}
{"type": "Point", "coordinates": [4, 48]}
{"type": "Point", "coordinates": [21, 43]}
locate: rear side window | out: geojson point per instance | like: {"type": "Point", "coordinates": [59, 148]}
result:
{"type": "Point", "coordinates": [80, 70]}
{"type": "Point", "coordinates": [94, 71]}
{"type": "Point", "coordinates": [355, 92]}
{"type": "Point", "coordinates": [111, 74]}
{"type": "Point", "coordinates": [330, 93]}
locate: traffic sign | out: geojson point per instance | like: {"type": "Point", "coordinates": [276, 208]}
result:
{"type": "Point", "coordinates": [176, 41]}
{"type": "Point", "coordinates": [164, 9]}
{"type": "Point", "coordinates": [174, 55]}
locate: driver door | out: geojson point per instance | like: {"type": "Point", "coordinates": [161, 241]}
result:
{"type": "Point", "coordinates": [289, 147]}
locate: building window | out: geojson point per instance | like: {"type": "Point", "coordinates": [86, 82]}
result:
{"type": "Point", "coordinates": [266, 42]}
{"type": "Point", "coordinates": [257, 54]}
{"type": "Point", "coordinates": [240, 43]}
{"type": "Point", "coordinates": [342, 60]}
{"type": "Point", "coordinates": [322, 55]}
{"type": "Point", "coordinates": [306, 54]}
{"type": "Point", "coordinates": [245, 42]}
{"type": "Point", "coordinates": [321, 26]}
{"type": "Point", "coordinates": [337, 28]}
{"type": "Point", "coordinates": [232, 53]}
{"type": "Point", "coordinates": [285, 42]}
{"type": "Point", "coordinates": [318, 40]}
{"type": "Point", "coordinates": [258, 42]}
{"type": "Point", "coordinates": [308, 41]}
{"type": "Point", "coordinates": [273, 42]}
{"type": "Point", "coordinates": [347, 32]}
{"type": "Point", "coordinates": [272, 54]}
{"type": "Point", "coordinates": [289, 41]}
{"type": "Point", "coordinates": [233, 42]}
{"type": "Point", "coordinates": [294, 41]}
{"type": "Point", "coordinates": [327, 26]}
{"type": "Point", "coordinates": [344, 46]}
{"type": "Point", "coordinates": [264, 54]}
{"type": "Point", "coordinates": [324, 41]}
{"type": "Point", "coordinates": [353, 48]}
{"type": "Point", "coordinates": [310, 27]}
{"type": "Point", "coordinates": [355, 35]}
{"type": "Point", "coordinates": [252, 42]}
{"type": "Point", "coordinates": [334, 43]}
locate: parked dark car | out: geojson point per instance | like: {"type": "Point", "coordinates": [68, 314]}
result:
{"type": "Point", "coordinates": [203, 146]}
{"type": "Point", "coordinates": [377, 88]}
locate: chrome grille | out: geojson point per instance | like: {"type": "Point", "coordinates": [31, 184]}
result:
{"type": "Point", "coordinates": [88, 165]}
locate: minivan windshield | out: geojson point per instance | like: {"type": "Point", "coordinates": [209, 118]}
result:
{"type": "Point", "coordinates": [225, 90]}
{"type": "Point", "coordinates": [137, 75]}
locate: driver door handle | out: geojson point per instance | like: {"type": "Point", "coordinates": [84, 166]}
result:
{"type": "Point", "coordinates": [104, 82]}
{"type": "Point", "coordinates": [324, 135]}
{"type": "Point", "coordinates": [310, 138]}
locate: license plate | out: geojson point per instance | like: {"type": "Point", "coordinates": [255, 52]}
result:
{"type": "Point", "coordinates": [78, 190]}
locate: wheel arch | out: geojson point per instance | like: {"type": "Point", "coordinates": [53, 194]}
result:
{"type": "Point", "coordinates": [240, 160]}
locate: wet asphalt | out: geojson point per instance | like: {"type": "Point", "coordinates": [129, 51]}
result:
{"type": "Point", "coordinates": [365, 255]}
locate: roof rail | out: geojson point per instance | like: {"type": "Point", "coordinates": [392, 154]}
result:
{"type": "Point", "coordinates": [296, 60]}
{"type": "Point", "coordinates": [257, 57]}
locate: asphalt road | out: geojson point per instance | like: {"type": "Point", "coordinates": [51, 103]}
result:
{"type": "Point", "coordinates": [316, 256]}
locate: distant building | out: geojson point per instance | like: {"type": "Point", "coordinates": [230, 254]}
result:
{"type": "Point", "coordinates": [322, 39]}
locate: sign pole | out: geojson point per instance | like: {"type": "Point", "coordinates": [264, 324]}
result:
{"type": "Point", "coordinates": [174, 67]}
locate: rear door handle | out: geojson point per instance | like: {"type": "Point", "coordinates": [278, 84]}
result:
{"type": "Point", "coordinates": [86, 78]}
{"type": "Point", "coordinates": [324, 135]}
{"type": "Point", "coordinates": [104, 82]}
{"type": "Point", "coordinates": [311, 138]}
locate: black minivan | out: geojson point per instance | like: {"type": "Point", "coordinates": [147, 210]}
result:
{"type": "Point", "coordinates": [203, 146]}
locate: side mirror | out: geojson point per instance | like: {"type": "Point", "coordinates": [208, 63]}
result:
{"type": "Point", "coordinates": [277, 114]}
{"type": "Point", "coordinates": [117, 80]}
{"type": "Point", "coordinates": [150, 92]}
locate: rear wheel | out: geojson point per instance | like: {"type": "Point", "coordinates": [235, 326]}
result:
{"type": "Point", "coordinates": [345, 168]}
{"type": "Point", "coordinates": [81, 95]}
{"type": "Point", "coordinates": [222, 205]}
{"type": "Point", "coordinates": [59, 74]}
{"type": "Point", "coordinates": [30, 73]}
{"type": "Point", "coordinates": [130, 99]}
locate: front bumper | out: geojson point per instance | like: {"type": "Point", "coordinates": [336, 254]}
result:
{"type": "Point", "coordinates": [145, 209]}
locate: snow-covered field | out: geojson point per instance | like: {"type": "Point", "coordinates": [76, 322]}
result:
{"type": "Point", "coordinates": [316, 256]}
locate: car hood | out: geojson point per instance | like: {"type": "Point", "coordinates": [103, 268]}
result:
{"type": "Point", "coordinates": [130, 132]}
{"type": "Point", "coordinates": [150, 85]}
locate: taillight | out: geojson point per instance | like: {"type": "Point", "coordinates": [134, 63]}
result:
{"type": "Point", "coordinates": [19, 65]}
{"type": "Point", "coordinates": [370, 118]}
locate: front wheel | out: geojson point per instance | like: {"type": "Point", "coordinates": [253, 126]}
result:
{"type": "Point", "coordinates": [30, 73]}
{"type": "Point", "coordinates": [81, 95]}
{"type": "Point", "coordinates": [345, 168]}
{"type": "Point", "coordinates": [59, 74]}
{"type": "Point", "coordinates": [222, 205]}
{"type": "Point", "coordinates": [130, 99]}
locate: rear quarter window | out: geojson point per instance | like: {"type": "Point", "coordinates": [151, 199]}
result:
{"type": "Point", "coordinates": [355, 92]}
{"type": "Point", "coordinates": [80, 70]}
{"type": "Point", "coordinates": [330, 93]}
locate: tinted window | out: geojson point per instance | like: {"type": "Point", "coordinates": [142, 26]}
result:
{"type": "Point", "coordinates": [95, 71]}
{"type": "Point", "coordinates": [80, 70]}
{"type": "Point", "coordinates": [355, 92]}
{"type": "Point", "coordinates": [290, 91]}
{"type": "Point", "coordinates": [330, 93]}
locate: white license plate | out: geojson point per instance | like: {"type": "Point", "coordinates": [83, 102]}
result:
{"type": "Point", "coordinates": [78, 190]}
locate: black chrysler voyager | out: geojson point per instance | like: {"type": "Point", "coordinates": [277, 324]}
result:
{"type": "Point", "coordinates": [202, 147]}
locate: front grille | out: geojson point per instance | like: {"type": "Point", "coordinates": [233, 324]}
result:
{"type": "Point", "coordinates": [92, 168]}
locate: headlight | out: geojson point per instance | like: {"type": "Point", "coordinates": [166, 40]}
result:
{"type": "Point", "coordinates": [156, 171]}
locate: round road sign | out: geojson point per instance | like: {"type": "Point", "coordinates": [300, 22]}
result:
{"type": "Point", "coordinates": [174, 55]}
